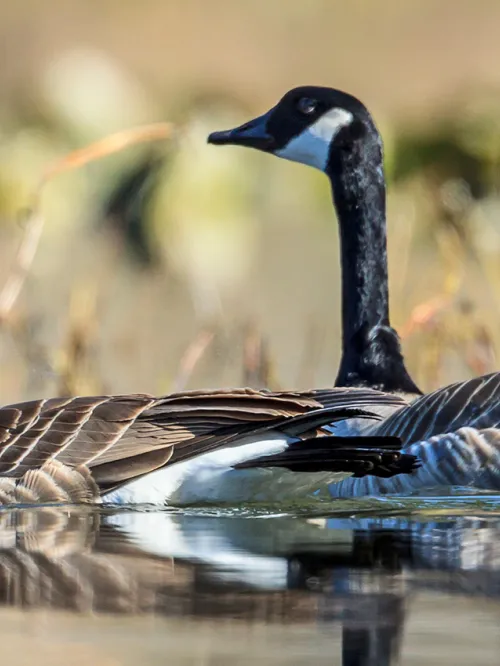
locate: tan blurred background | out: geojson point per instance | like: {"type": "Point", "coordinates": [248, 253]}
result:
{"type": "Point", "coordinates": [183, 265]}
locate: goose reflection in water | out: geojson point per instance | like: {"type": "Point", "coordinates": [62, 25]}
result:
{"type": "Point", "coordinates": [359, 580]}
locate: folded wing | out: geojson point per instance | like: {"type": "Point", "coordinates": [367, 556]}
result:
{"type": "Point", "coordinates": [119, 438]}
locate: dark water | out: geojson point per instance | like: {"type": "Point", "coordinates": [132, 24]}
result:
{"type": "Point", "coordinates": [356, 583]}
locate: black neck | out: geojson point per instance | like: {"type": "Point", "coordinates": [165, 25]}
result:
{"type": "Point", "coordinates": [371, 353]}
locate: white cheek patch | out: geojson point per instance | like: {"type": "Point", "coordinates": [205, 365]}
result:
{"type": "Point", "coordinates": [312, 146]}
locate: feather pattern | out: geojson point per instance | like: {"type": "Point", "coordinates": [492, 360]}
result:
{"type": "Point", "coordinates": [465, 458]}
{"type": "Point", "coordinates": [474, 403]}
{"type": "Point", "coordinates": [453, 433]}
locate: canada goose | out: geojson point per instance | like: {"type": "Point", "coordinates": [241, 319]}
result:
{"type": "Point", "coordinates": [124, 448]}
{"type": "Point", "coordinates": [451, 430]}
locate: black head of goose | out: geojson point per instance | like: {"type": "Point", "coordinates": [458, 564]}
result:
{"type": "Point", "coordinates": [334, 132]}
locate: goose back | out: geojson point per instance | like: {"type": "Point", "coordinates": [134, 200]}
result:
{"type": "Point", "coordinates": [474, 403]}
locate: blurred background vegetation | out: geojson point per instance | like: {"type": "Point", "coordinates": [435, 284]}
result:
{"type": "Point", "coordinates": [181, 265]}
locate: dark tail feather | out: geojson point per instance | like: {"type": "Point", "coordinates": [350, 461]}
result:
{"type": "Point", "coordinates": [360, 456]}
{"type": "Point", "coordinates": [297, 425]}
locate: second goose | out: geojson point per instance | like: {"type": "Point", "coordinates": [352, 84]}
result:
{"type": "Point", "coordinates": [453, 431]}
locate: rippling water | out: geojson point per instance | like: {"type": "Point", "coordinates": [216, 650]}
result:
{"type": "Point", "coordinates": [371, 582]}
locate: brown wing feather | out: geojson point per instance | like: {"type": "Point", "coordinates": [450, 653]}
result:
{"type": "Point", "coordinates": [52, 483]}
{"type": "Point", "coordinates": [71, 431]}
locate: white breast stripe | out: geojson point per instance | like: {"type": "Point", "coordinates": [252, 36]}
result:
{"type": "Point", "coordinates": [312, 146]}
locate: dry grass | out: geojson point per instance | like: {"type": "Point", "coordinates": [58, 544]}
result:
{"type": "Point", "coordinates": [446, 325]}
{"type": "Point", "coordinates": [78, 316]}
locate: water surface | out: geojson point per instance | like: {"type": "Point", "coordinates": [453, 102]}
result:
{"type": "Point", "coordinates": [353, 583]}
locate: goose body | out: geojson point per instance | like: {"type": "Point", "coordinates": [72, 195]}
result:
{"type": "Point", "coordinates": [179, 448]}
{"type": "Point", "coordinates": [454, 431]}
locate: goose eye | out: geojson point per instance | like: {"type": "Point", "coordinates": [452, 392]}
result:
{"type": "Point", "coordinates": [307, 106]}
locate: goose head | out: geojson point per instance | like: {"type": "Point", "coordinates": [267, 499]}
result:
{"type": "Point", "coordinates": [310, 125]}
